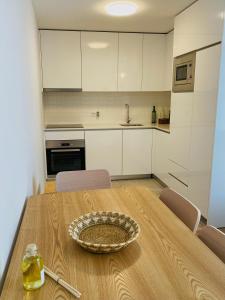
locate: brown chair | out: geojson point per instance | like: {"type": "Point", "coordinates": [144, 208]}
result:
{"type": "Point", "coordinates": [82, 180]}
{"type": "Point", "coordinates": [214, 239]}
{"type": "Point", "coordinates": [188, 213]}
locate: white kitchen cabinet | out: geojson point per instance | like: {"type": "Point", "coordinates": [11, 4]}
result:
{"type": "Point", "coordinates": [180, 128]}
{"type": "Point", "coordinates": [203, 124]}
{"type": "Point", "coordinates": [99, 61]}
{"type": "Point", "coordinates": [104, 150]}
{"type": "Point", "coordinates": [64, 135]}
{"type": "Point", "coordinates": [137, 151]}
{"type": "Point", "coordinates": [169, 62]}
{"type": "Point", "coordinates": [198, 26]}
{"type": "Point", "coordinates": [154, 62]}
{"type": "Point", "coordinates": [130, 62]}
{"type": "Point", "coordinates": [160, 161]}
{"type": "Point", "coordinates": [61, 59]}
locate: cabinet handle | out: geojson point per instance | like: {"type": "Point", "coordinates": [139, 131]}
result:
{"type": "Point", "coordinates": [65, 150]}
{"type": "Point", "coordinates": [178, 179]}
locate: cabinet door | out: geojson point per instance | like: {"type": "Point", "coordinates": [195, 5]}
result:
{"type": "Point", "coordinates": [130, 62]}
{"type": "Point", "coordinates": [99, 61]}
{"type": "Point", "coordinates": [203, 124]}
{"type": "Point", "coordinates": [61, 59]}
{"type": "Point", "coordinates": [160, 161]}
{"type": "Point", "coordinates": [137, 151]}
{"type": "Point", "coordinates": [180, 128]}
{"type": "Point", "coordinates": [154, 55]}
{"type": "Point", "coordinates": [104, 150]}
{"type": "Point", "coordinates": [169, 62]}
{"type": "Point", "coordinates": [198, 26]}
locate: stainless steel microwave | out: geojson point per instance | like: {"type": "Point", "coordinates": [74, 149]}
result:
{"type": "Point", "coordinates": [184, 73]}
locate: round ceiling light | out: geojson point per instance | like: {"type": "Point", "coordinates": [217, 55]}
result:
{"type": "Point", "coordinates": [121, 8]}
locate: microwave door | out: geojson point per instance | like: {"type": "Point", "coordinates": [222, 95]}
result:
{"type": "Point", "coordinates": [181, 74]}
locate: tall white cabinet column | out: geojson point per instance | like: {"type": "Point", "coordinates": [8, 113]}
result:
{"type": "Point", "coordinates": [203, 125]}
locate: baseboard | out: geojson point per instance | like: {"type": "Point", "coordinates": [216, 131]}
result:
{"type": "Point", "coordinates": [130, 177]}
{"type": "Point", "coordinates": [2, 280]}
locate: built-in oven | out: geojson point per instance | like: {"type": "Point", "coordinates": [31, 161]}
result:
{"type": "Point", "coordinates": [66, 155]}
{"type": "Point", "coordinates": [184, 73]}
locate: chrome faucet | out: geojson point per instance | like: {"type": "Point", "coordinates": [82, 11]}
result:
{"type": "Point", "coordinates": [127, 113]}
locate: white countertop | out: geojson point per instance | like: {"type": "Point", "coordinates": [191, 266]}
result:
{"type": "Point", "coordinates": [161, 127]}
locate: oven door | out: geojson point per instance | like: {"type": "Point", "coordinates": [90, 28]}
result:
{"type": "Point", "coordinates": [65, 160]}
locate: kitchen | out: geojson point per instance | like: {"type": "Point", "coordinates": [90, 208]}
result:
{"type": "Point", "coordinates": [96, 81]}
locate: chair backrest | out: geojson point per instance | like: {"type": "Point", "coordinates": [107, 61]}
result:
{"type": "Point", "coordinates": [188, 213]}
{"type": "Point", "coordinates": [82, 180]}
{"type": "Point", "coordinates": [214, 239]}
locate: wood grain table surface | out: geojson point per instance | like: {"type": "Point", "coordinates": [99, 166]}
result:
{"type": "Point", "coordinates": [167, 261]}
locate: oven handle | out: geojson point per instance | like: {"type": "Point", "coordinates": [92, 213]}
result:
{"type": "Point", "coordinates": [64, 150]}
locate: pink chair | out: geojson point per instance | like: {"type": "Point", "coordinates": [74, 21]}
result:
{"type": "Point", "coordinates": [214, 239]}
{"type": "Point", "coordinates": [82, 180]}
{"type": "Point", "coordinates": [188, 213]}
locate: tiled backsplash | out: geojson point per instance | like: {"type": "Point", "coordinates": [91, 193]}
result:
{"type": "Point", "coordinates": [71, 107]}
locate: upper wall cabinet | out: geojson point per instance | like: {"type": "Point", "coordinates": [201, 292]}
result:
{"type": "Point", "coordinates": [154, 56]}
{"type": "Point", "coordinates": [169, 62]}
{"type": "Point", "coordinates": [198, 26]}
{"type": "Point", "coordinates": [130, 62]}
{"type": "Point", "coordinates": [99, 61]}
{"type": "Point", "coordinates": [61, 59]}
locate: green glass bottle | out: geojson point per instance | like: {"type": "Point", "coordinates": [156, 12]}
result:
{"type": "Point", "coordinates": [153, 115]}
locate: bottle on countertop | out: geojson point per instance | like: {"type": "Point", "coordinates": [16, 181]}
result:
{"type": "Point", "coordinates": [153, 115]}
{"type": "Point", "coordinates": [33, 268]}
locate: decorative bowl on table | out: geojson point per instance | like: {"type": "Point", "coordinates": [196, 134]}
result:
{"type": "Point", "coordinates": [104, 232]}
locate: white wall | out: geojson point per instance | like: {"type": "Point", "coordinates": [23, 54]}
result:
{"type": "Point", "coordinates": [21, 146]}
{"type": "Point", "coordinates": [70, 107]}
{"type": "Point", "coordinates": [217, 198]}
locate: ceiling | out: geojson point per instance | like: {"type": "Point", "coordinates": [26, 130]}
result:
{"type": "Point", "coordinates": [152, 15]}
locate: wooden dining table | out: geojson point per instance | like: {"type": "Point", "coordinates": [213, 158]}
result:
{"type": "Point", "coordinates": [166, 262]}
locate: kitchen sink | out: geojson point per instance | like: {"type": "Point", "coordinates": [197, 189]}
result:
{"type": "Point", "coordinates": [131, 124]}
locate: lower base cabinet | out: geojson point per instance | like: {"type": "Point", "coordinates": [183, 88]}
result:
{"type": "Point", "coordinates": [137, 149]}
{"type": "Point", "coordinates": [160, 162]}
{"type": "Point", "coordinates": [104, 150]}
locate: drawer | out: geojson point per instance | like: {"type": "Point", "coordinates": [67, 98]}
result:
{"type": "Point", "coordinates": [64, 135]}
{"type": "Point", "coordinates": [177, 186]}
{"type": "Point", "coordinates": [178, 172]}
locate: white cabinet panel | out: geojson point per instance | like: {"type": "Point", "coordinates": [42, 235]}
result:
{"type": "Point", "coordinates": [137, 150]}
{"type": "Point", "coordinates": [160, 162]}
{"type": "Point", "coordinates": [154, 62]}
{"type": "Point", "coordinates": [177, 186]}
{"type": "Point", "coordinates": [180, 128]}
{"type": "Point", "coordinates": [99, 61]}
{"type": "Point", "coordinates": [198, 26]}
{"type": "Point", "coordinates": [130, 62]}
{"type": "Point", "coordinates": [203, 123]}
{"type": "Point", "coordinates": [61, 59]}
{"type": "Point", "coordinates": [104, 150]}
{"type": "Point", "coordinates": [169, 62]}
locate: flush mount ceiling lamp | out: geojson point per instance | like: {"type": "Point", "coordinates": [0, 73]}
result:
{"type": "Point", "coordinates": [121, 8]}
{"type": "Point", "coordinates": [98, 45]}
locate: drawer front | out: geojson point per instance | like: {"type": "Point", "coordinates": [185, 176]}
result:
{"type": "Point", "coordinates": [178, 172]}
{"type": "Point", "coordinates": [177, 186]}
{"type": "Point", "coordinates": [64, 135]}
